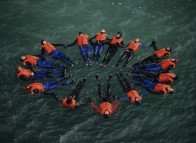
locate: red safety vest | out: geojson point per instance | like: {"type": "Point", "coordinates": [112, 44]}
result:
{"type": "Point", "coordinates": [166, 77]}
{"type": "Point", "coordinates": [82, 40]}
{"type": "Point", "coordinates": [162, 88]}
{"type": "Point", "coordinates": [31, 60]}
{"type": "Point", "coordinates": [134, 45]}
{"type": "Point", "coordinates": [101, 36]}
{"type": "Point", "coordinates": [133, 94]}
{"type": "Point", "coordinates": [116, 41]}
{"type": "Point", "coordinates": [160, 53]}
{"type": "Point", "coordinates": [48, 47]}
{"type": "Point", "coordinates": [166, 63]}
{"type": "Point", "coordinates": [72, 105]}
{"type": "Point", "coordinates": [105, 106]}
{"type": "Point", "coordinates": [36, 86]}
{"type": "Point", "coordinates": [24, 72]}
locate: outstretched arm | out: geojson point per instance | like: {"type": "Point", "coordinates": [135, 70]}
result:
{"type": "Point", "coordinates": [73, 43]}
{"type": "Point", "coordinates": [115, 106]}
{"type": "Point", "coordinates": [95, 107]}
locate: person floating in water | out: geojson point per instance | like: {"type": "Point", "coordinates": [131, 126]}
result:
{"type": "Point", "coordinates": [163, 66]}
{"type": "Point", "coordinates": [158, 56]}
{"type": "Point", "coordinates": [114, 44]}
{"type": "Point", "coordinates": [162, 77]}
{"type": "Point", "coordinates": [27, 74]}
{"type": "Point", "coordinates": [153, 87]}
{"type": "Point", "coordinates": [85, 50]}
{"type": "Point", "coordinates": [31, 60]}
{"type": "Point", "coordinates": [38, 87]}
{"type": "Point", "coordinates": [100, 39]}
{"type": "Point", "coordinates": [129, 53]}
{"type": "Point", "coordinates": [72, 100]}
{"type": "Point", "coordinates": [47, 47]}
{"type": "Point", "coordinates": [105, 108]}
{"type": "Point", "coordinates": [133, 96]}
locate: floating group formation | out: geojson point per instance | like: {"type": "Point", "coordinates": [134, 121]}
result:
{"type": "Point", "coordinates": [152, 73]}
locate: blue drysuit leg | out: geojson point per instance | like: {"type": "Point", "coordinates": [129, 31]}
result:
{"type": "Point", "coordinates": [45, 63]}
{"type": "Point", "coordinates": [40, 74]}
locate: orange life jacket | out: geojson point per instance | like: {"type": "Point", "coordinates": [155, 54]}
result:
{"type": "Point", "coordinates": [31, 60]}
{"type": "Point", "coordinates": [160, 53]}
{"type": "Point", "coordinates": [133, 94]}
{"type": "Point", "coordinates": [82, 40]}
{"type": "Point", "coordinates": [36, 86]}
{"type": "Point", "coordinates": [116, 41]}
{"type": "Point", "coordinates": [134, 45]}
{"type": "Point", "coordinates": [24, 72]}
{"type": "Point", "coordinates": [105, 106]}
{"type": "Point", "coordinates": [166, 77]}
{"type": "Point", "coordinates": [166, 63]}
{"type": "Point", "coordinates": [162, 88]}
{"type": "Point", "coordinates": [72, 105]}
{"type": "Point", "coordinates": [101, 36]}
{"type": "Point", "coordinates": [48, 47]}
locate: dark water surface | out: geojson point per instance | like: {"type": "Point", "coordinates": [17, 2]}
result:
{"type": "Point", "coordinates": [40, 119]}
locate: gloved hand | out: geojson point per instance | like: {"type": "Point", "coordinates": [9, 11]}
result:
{"type": "Point", "coordinates": [153, 42]}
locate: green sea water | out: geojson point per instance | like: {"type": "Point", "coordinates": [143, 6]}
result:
{"type": "Point", "coordinates": [25, 118]}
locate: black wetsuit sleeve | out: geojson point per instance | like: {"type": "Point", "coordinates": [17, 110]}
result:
{"type": "Point", "coordinates": [93, 37]}
{"type": "Point", "coordinates": [42, 52]}
{"type": "Point", "coordinates": [58, 44]}
{"type": "Point", "coordinates": [73, 43]}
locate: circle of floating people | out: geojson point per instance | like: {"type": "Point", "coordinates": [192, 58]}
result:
{"type": "Point", "coordinates": [152, 73]}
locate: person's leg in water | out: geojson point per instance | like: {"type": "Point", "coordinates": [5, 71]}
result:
{"type": "Point", "coordinates": [78, 89]}
{"type": "Point", "coordinates": [100, 94]}
{"type": "Point", "coordinates": [88, 53]}
{"type": "Point", "coordinates": [45, 63]}
{"type": "Point", "coordinates": [129, 56]}
{"type": "Point", "coordinates": [95, 48]}
{"type": "Point", "coordinates": [147, 84]}
{"type": "Point", "coordinates": [57, 73]}
{"type": "Point", "coordinates": [127, 83]}
{"type": "Point", "coordinates": [122, 57]}
{"type": "Point", "coordinates": [82, 52]}
{"type": "Point", "coordinates": [121, 82]}
{"type": "Point", "coordinates": [112, 53]}
{"type": "Point", "coordinates": [40, 74]}
{"type": "Point", "coordinates": [100, 49]}
{"type": "Point", "coordinates": [106, 55]}
{"type": "Point", "coordinates": [107, 98]}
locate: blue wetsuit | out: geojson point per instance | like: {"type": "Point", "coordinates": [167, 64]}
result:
{"type": "Point", "coordinates": [45, 63]}
{"type": "Point", "coordinates": [85, 52]}
{"type": "Point", "coordinates": [41, 74]}
{"type": "Point", "coordinates": [56, 54]}
{"type": "Point", "coordinates": [49, 85]}
{"type": "Point", "coordinates": [149, 67]}
{"type": "Point", "coordinates": [97, 51]}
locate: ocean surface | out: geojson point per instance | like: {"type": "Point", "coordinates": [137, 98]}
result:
{"type": "Point", "coordinates": [25, 118]}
